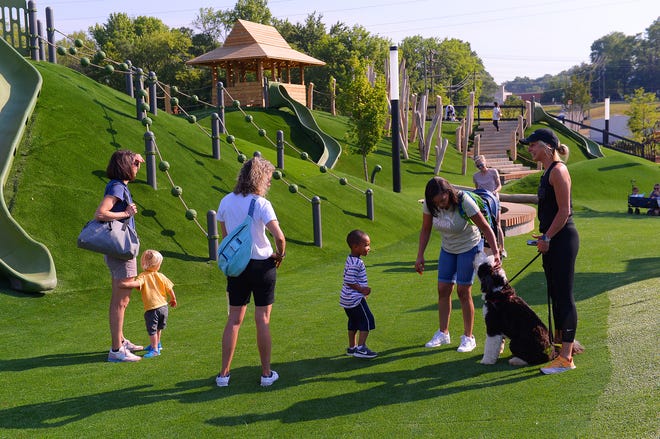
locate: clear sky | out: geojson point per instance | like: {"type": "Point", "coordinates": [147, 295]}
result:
{"type": "Point", "coordinates": [512, 37]}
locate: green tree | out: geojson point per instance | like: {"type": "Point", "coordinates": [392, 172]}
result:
{"type": "Point", "coordinates": [368, 104]}
{"type": "Point", "coordinates": [218, 24]}
{"type": "Point", "coordinates": [642, 114]}
{"type": "Point", "coordinates": [577, 92]}
{"type": "Point", "coordinates": [448, 68]}
{"type": "Point", "coordinates": [148, 43]}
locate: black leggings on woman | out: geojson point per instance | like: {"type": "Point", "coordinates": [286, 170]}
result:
{"type": "Point", "coordinates": [559, 267]}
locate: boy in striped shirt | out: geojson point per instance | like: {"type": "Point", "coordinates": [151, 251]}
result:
{"type": "Point", "coordinates": [354, 292]}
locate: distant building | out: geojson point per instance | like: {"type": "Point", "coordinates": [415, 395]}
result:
{"type": "Point", "coordinates": [501, 95]}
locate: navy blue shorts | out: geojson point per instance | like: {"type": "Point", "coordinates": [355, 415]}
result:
{"type": "Point", "coordinates": [360, 317]}
{"type": "Point", "coordinates": [258, 279]}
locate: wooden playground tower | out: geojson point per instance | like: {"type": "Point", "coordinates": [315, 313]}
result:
{"type": "Point", "coordinates": [250, 52]}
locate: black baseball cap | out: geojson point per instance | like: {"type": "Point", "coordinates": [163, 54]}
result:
{"type": "Point", "coordinates": [545, 135]}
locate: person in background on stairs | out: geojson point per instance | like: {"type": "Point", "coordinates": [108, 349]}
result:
{"type": "Point", "coordinates": [497, 114]}
{"type": "Point", "coordinates": [489, 179]}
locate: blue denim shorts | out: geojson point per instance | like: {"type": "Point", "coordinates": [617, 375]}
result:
{"type": "Point", "coordinates": [458, 268]}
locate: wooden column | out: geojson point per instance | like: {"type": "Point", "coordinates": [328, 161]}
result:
{"type": "Point", "coordinates": [214, 77]}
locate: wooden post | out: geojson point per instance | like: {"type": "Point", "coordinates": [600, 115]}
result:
{"type": "Point", "coordinates": [333, 90]}
{"type": "Point", "coordinates": [310, 96]}
{"type": "Point", "coordinates": [476, 145]}
{"type": "Point", "coordinates": [50, 31]}
{"type": "Point", "coordinates": [168, 95]}
{"type": "Point", "coordinates": [513, 147]}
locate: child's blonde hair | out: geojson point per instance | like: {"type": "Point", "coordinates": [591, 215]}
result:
{"type": "Point", "coordinates": [151, 260]}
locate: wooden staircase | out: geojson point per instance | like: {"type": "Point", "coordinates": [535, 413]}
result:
{"type": "Point", "coordinates": [494, 144]}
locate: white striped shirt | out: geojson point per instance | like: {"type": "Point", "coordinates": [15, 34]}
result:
{"type": "Point", "coordinates": [354, 273]}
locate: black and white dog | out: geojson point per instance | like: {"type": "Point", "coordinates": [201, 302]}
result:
{"type": "Point", "coordinates": [508, 315]}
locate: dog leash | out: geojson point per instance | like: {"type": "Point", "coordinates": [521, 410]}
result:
{"type": "Point", "coordinates": [550, 332]}
{"type": "Point", "coordinates": [523, 269]}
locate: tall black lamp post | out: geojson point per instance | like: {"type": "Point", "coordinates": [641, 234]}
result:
{"type": "Point", "coordinates": [394, 100]}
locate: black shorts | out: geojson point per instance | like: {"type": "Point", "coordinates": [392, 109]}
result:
{"type": "Point", "coordinates": [258, 278]}
{"type": "Point", "coordinates": [360, 317]}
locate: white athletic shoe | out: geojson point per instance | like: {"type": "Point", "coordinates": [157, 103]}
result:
{"type": "Point", "coordinates": [439, 338]}
{"type": "Point", "coordinates": [122, 355]}
{"type": "Point", "coordinates": [467, 344]}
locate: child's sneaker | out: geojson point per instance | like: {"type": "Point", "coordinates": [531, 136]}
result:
{"type": "Point", "coordinates": [558, 365]}
{"type": "Point", "coordinates": [267, 381]}
{"type": "Point", "coordinates": [130, 346]}
{"type": "Point", "coordinates": [364, 352]}
{"type": "Point", "coordinates": [439, 338]}
{"type": "Point", "coordinates": [221, 381]}
{"type": "Point", "coordinates": [351, 351]}
{"type": "Point", "coordinates": [467, 344]}
{"type": "Point", "coordinates": [152, 353]}
{"type": "Point", "coordinates": [122, 355]}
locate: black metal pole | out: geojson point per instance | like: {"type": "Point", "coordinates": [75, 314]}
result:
{"type": "Point", "coordinates": [394, 98]}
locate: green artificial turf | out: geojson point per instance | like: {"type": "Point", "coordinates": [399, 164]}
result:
{"type": "Point", "coordinates": [56, 381]}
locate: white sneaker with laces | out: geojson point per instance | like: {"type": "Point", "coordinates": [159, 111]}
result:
{"type": "Point", "coordinates": [467, 344]}
{"type": "Point", "coordinates": [439, 338]}
{"type": "Point", "coordinates": [222, 381]}
{"type": "Point", "coordinates": [267, 381]}
{"type": "Point", "coordinates": [122, 355]}
{"type": "Point", "coordinates": [130, 346]}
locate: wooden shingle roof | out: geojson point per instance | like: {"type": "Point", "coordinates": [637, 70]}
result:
{"type": "Point", "coordinates": [248, 41]}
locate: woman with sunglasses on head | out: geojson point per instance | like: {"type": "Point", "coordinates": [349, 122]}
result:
{"type": "Point", "coordinates": [489, 179]}
{"type": "Point", "coordinates": [559, 241]}
{"type": "Point", "coordinates": [461, 241]}
{"type": "Point", "coordinates": [117, 204]}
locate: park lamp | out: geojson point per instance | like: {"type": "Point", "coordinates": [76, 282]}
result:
{"type": "Point", "coordinates": [606, 133]}
{"type": "Point", "coordinates": [394, 101]}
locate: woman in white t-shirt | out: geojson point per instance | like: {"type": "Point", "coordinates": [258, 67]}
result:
{"type": "Point", "coordinates": [461, 241]}
{"type": "Point", "coordinates": [259, 276]}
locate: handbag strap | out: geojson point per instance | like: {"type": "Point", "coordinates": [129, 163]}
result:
{"type": "Point", "coordinates": [251, 210]}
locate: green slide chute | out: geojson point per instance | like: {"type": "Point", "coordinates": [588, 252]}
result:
{"type": "Point", "coordinates": [25, 262]}
{"type": "Point", "coordinates": [591, 148]}
{"type": "Point", "coordinates": [278, 97]}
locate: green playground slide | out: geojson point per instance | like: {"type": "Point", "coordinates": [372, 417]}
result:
{"type": "Point", "coordinates": [25, 262]}
{"type": "Point", "coordinates": [591, 148]}
{"type": "Point", "coordinates": [279, 97]}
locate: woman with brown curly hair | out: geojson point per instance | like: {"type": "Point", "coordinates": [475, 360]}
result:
{"type": "Point", "coordinates": [259, 276]}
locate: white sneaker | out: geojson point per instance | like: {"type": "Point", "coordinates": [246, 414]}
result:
{"type": "Point", "coordinates": [222, 381]}
{"type": "Point", "coordinates": [439, 338]}
{"type": "Point", "coordinates": [132, 347]}
{"type": "Point", "coordinates": [267, 381]}
{"type": "Point", "coordinates": [467, 344]}
{"type": "Point", "coordinates": [122, 355]}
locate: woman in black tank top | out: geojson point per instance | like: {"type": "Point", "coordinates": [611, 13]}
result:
{"type": "Point", "coordinates": [558, 242]}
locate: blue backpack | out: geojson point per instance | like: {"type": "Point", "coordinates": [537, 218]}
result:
{"type": "Point", "coordinates": [488, 204]}
{"type": "Point", "coordinates": [236, 248]}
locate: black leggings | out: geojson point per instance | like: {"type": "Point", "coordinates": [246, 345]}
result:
{"type": "Point", "coordinates": [559, 267]}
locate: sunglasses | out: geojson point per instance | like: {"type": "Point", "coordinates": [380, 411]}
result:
{"type": "Point", "coordinates": [136, 163]}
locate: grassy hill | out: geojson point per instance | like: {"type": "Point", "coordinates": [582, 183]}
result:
{"type": "Point", "coordinates": [56, 381]}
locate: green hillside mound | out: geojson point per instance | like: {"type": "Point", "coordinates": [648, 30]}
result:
{"type": "Point", "coordinates": [57, 382]}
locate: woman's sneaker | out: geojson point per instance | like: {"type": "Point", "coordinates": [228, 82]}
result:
{"type": "Point", "coordinates": [558, 365]}
{"type": "Point", "coordinates": [267, 381]}
{"type": "Point", "coordinates": [130, 346]}
{"type": "Point", "coordinates": [122, 355]}
{"type": "Point", "coordinates": [439, 338]}
{"type": "Point", "coordinates": [221, 381]}
{"type": "Point", "coordinates": [467, 344]}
